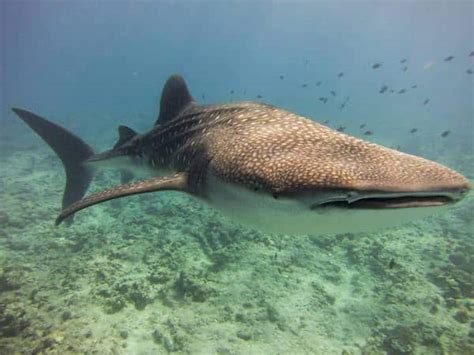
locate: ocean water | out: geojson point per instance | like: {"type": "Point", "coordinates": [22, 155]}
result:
{"type": "Point", "coordinates": [163, 273]}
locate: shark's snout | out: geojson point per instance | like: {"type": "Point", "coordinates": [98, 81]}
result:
{"type": "Point", "coordinates": [402, 181]}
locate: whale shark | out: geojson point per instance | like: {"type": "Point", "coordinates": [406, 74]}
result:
{"type": "Point", "coordinates": [260, 165]}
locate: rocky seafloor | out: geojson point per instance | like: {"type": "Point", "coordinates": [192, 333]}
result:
{"type": "Point", "coordinates": [161, 273]}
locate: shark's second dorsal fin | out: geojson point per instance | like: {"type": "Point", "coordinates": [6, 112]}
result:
{"type": "Point", "coordinates": [174, 99]}
{"type": "Point", "coordinates": [125, 134]}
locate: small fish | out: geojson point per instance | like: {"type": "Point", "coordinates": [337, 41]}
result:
{"type": "Point", "coordinates": [471, 54]}
{"type": "Point", "coordinates": [402, 91]}
{"type": "Point", "coordinates": [259, 96]}
{"type": "Point", "coordinates": [333, 93]}
{"type": "Point", "coordinates": [376, 65]}
{"type": "Point", "coordinates": [344, 103]}
{"type": "Point", "coordinates": [429, 64]}
{"type": "Point", "coordinates": [323, 99]}
{"type": "Point", "coordinates": [383, 89]}
{"type": "Point", "coordinates": [392, 91]}
{"type": "Point", "coordinates": [368, 133]}
{"type": "Point", "coordinates": [306, 62]}
{"type": "Point", "coordinates": [340, 75]}
{"type": "Point", "coordinates": [244, 92]}
{"type": "Point", "coordinates": [413, 130]}
{"type": "Point", "coordinates": [469, 71]}
{"type": "Point", "coordinates": [405, 68]}
{"type": "Point", "coordinates": [231, 92]}
{"type": "Point", "coordinates": [341, 128]}
{"type": "Point", "coordinates": [426, 102]}
{"type": "Point", "coordinates": [326, 121]}
{"type": "Point", "coordinates": [304, 85]}
{"type": "Point", "coordinates": [448, 59]}
{"type": "Point", "coordinates": [203, 96]}
{"type": "Point", "coordinates": [319, 83]}
{"type": "Point", "coordinates": [282, 77]}
{"type": "Point", "coordinates": [414, 86]}
{"type": "Point", "coordinates": [404, 60]}
{"type": "Point", "coordinates": [362, 125]}
{"type": "Point", "coordinates": [445, 133]}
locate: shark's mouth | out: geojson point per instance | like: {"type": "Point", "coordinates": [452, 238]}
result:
{"type": "Point", "coordinates": [387, 201]}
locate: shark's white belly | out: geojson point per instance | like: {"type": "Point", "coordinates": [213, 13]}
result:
{"type": "Point", "coordinates": [291, 216]}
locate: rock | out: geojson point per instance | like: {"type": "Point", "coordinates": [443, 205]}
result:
{"type": "Point", "coordinates": [66, 315]}
{"type": "Point", "coordinates": [157, 335]}
{"type": "Point", "coordinates": [245, 335]}
{"type": "Point", "coordinates": [123, 334]}
{"type": "Point", "coordinates": [168, 343]}
{"type": "Point", "coordinates": [461, 316]}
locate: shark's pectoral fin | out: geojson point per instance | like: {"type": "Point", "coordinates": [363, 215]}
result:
{"type": "Point", "coordinates": [178, 182]}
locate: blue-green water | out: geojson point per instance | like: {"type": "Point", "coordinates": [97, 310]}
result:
{"type": "Point", "coordinates": [163, 273]}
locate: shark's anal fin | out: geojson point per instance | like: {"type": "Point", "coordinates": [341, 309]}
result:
{"type": "Point", "coordinates": [178, 182]}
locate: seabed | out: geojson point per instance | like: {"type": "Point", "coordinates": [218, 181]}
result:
{"type": "Point", "coordinates": [162, 273]}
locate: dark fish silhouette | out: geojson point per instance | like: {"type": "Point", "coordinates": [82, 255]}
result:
{"type": "Point", "coordinates": [402, 91]}
{"type": "Point", "coordinates": [445, 133]}
{"type": "Point", "coordinates": [362, 125]}
{"type": "Point", "coordinates": [469, 71]}
{"type": "Point", "coordinates": [282, 77]}
{"type": "Point", "coordinates": [203, 96]}
{"type": "Point", "coordinates": [259, 97]}
{"type": "Point", "coordinates": [448, 59]}
{"type": "Point", "coordinates": [426, 102]}
{"type": "Point", "coordinates": [304, 85]}
{"type": "Point", "coordinates": [405, 68]}
{"type": "Point", "coordinates": [376, 65]}
{"type": "Point", "coordinates": [413, 130]}
{"type": "Point", "coordinates": [344, 103]}
{"type": "Point", "coordinates": [383, 89]}
{"type": "Point", "coordinates": [333, 93]}
{"type": "Point", "coordinates": [368, 133]}
{"type": "Point", "coordinates": [340, 75]}
{"type": "Point", "coordinates": [319, 83]}
{"type": "Point", "coordinates": [471, 54]}
{"type": "Point", "coordinates": [323, 99]}
{"type": "Point", "coordinates": [414, 86]}
{"type": "Point", "coordinates": [403, 61]}
{"type": "Point", "coordinates": [231, 92]}
{"type": "Point", "coordinates": [306, 62]}
{"type": "Point", "coordinates": [392, 91]}
{"type": "Point", "coordinates": [341, 128]}
{"type": "Point", "coordinates": [326, 121]}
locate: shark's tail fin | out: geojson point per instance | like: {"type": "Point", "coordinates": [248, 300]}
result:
{"type": "Point", "coordinates": [70, 149]}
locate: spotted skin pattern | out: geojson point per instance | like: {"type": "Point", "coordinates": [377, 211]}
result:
{"type": "Point", "coordinates": [264, 147]}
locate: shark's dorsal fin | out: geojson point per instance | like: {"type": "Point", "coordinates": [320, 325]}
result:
{"type": "Point", "coordinates": [174, 99]}
{"type": "Point", "coordinates": [177, 182]}
{"type": "Point", "coordinates": [125, 134]}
